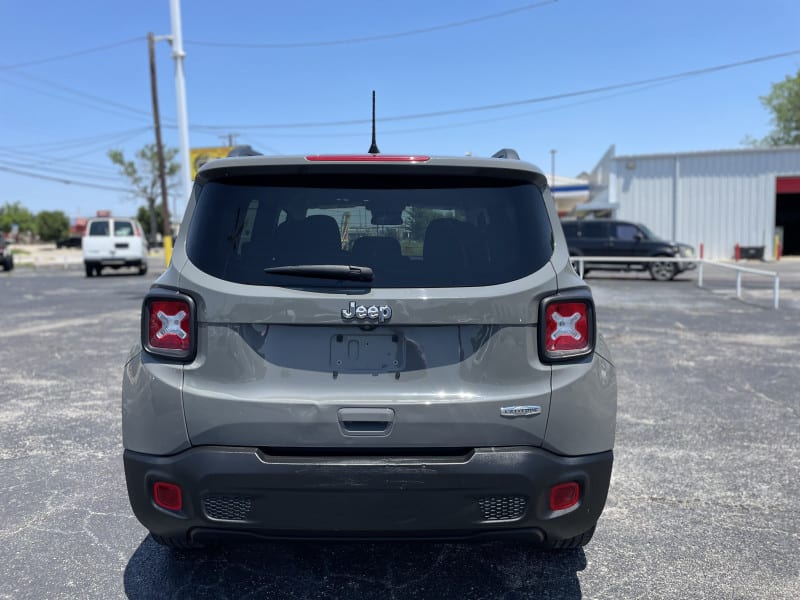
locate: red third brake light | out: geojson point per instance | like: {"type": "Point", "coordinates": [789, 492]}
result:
{"type": "Point", "coordinates": [567, 328]}
{"type": "Point", "coordinates": [365, 158]}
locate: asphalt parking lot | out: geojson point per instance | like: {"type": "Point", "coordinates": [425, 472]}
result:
{"type": "Point", "coordinates": [703, 501]}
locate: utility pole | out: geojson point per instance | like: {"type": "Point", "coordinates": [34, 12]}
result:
{"type": "Point", "coordinates": [165, 221]}
{"type": "Point", "coordinates": [231, 137]}
{"type": "Point", "coordinates": [552, 169]}
{"type": "Point", "coordinates": [180, 96]}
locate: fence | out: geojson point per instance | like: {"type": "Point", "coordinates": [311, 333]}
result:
{"type": "Point", "coordinates": [37, 260]}
{"type": "Point", "coordinates": [700, 262]}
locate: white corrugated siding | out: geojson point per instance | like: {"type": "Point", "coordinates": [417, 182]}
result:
{"type": "Point", "coordinates": [722, 198]}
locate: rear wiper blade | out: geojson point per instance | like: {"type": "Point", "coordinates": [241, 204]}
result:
{"type": "Point", "coordinates": [350, 272]}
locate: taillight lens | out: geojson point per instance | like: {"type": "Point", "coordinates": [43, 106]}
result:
{"type": "Point", "coordinates": [168, 325]}
{"type": "Point", "coordinates": [567, 328]}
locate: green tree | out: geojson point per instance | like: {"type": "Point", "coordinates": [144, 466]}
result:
{"type": "Point", "coordinates": [15, 213]}
{"type": "Point", "coordinates": [144, 216]}
{"type": "Point", "coordinates": [142, 172]}
{"type": "Point", "coordinates": [52, 225]}
{"type": "Point", "coordinates": [416, 220]}
{"type": "Point", "coordinates": [784, 104]}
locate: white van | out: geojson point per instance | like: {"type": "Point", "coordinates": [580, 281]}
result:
{"type": "Point", "coordinates": [114, 242]}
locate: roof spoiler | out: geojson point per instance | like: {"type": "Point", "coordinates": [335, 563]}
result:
{"type": "Point", "coordinates": [508, 153]}
{"type": "Point", "coordinates": [244, 151]}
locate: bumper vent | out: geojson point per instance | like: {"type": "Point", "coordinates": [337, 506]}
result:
{"type": "Point", "coordinates": [502, 508]}
{"type": "Point", "coordinates": [227, 508]}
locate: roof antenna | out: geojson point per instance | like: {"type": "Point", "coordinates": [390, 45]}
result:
{"type": "Point", "coordinates": [373, 149]}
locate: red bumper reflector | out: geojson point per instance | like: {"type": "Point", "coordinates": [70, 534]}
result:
{"type": "Point", "coordinates": [167, 495]}
{"type": "Point", "coordinates": [564, 495]}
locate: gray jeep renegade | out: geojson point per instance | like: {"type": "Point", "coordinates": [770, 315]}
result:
{"type": "Point", "coordinates": [369, 346]}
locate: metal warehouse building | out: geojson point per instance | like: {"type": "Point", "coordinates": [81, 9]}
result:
{"type": "Point", "coordinates": [719, 198]}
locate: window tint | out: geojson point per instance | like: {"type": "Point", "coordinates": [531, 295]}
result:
{"type": "Point", "coordinates": [123, 228]}
{"type": "Point", "coordinates": [594, 229]}
{"type": "Point", "coordinates": [570, 229]}
{"type": "Point", "coordinates": [648, 233]}
{"type": "Point", "coordinates": [98, 228]}
{"type": "Point", "coordinates": [625, 232]}
{"type": "Point", "coordinates": [413, 231]}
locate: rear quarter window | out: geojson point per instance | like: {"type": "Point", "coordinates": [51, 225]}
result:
{"type": "Point", "coordinates": [413, 231]}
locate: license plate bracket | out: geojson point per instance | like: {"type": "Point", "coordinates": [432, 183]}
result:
{"type": "Point", "coordinates": [376, 353]}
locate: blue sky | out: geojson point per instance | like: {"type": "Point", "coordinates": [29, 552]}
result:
{"type": "Point", "coordinates": [58, 118]}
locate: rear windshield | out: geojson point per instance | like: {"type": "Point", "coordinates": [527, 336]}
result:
{"type": "Point", "coordinates": [98, 228]}
{"type": "Point", "coordinates": [412, 231]}
{"type": "Point", "coordinates": [123, 228]}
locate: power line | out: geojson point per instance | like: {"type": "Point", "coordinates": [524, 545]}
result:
{"type": "Point", "coordinates": [72, 54]}
{"type": "Point", "coordinates": [389, 132]}
{"type": "Point", "coordinates": [375, 38]}
{"type": "Point", "coordinates": [107, 145]}
{"type": "Point", "coordinates": [73, 142]}
{"type": "Point", "coordinates": [104, 103]}
{"type": "Point", "coordinates": [81, 94]}
{"type": "Point", "coordinates": [38, 159]}
{"type": "Point", "coordinates": [58, 170]}
{"type": "Point", "coordinates": [89, 148]}
{"type": "Point", "coordinates": [66, 164]}
{"type": "Point", "coordinates": [499, 105]}
{"type": "Point", "coordinates": [65, 181]}
{"type": "Point", "coordinates": [113, 111]}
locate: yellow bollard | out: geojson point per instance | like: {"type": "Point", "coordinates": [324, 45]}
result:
{"type": "Point", "coordinates": [777, 247]}
{"type": "Point", "coordinates": [167, 249]}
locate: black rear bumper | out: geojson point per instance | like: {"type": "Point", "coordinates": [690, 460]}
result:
{"type": "Point", "coordinates": [485, 493]}
{"type": "Point", "coordinates": [114, 262]}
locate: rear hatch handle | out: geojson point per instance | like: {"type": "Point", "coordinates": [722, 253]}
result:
{"type": "Point", "coordinates": [366, 421]}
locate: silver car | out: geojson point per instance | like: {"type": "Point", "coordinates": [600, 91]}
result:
{"type": "Point", "coordinates": [369, 346]}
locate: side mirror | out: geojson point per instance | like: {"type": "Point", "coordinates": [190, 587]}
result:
{"type": "Point", "coordinates": [639, 236]}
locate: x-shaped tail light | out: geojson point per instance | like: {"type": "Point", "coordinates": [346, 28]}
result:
{"type": "Point", "coordinates": [168, 325]}
{"type": "Point", "coordinates": [567, 327]}
{"type": "Point", "coordinates": [171, 325]}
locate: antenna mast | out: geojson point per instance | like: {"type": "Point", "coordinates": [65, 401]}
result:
{"type": "Point", "coordinates": [373, 149]}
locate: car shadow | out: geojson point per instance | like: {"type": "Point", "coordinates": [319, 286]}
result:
{"type": "Point", "coordinates": [359, 570]}
{"type": "Point", "coordinates": [118, 275]}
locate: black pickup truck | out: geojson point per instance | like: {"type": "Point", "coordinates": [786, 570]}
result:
{"type": "Point", "coordinates": [72, 241]}
{"type": "Point", "coordinates": [6, 258]}
{"type": "Point", "coordinates": [613, 238]}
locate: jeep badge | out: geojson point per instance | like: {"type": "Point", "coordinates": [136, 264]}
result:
{"type": "Point", "coordinates": [362, 313]}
